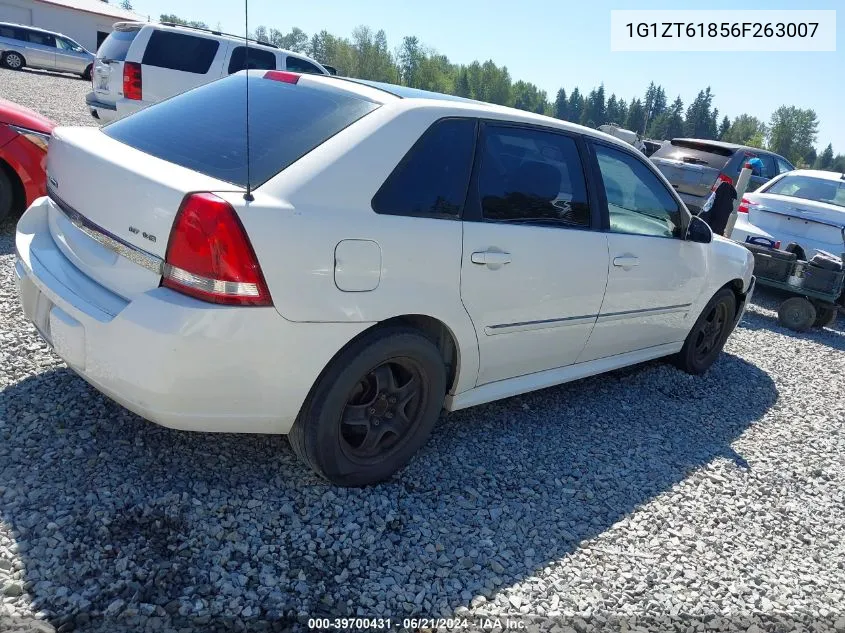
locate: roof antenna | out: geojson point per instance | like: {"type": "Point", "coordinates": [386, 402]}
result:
{"type": "Point", "coordinates": [248, 195]}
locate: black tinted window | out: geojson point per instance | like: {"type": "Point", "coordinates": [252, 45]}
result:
{"type": "Point", "coordinates": [637, 201]}
{"type": "Point", "coordinates": [432, 179]}
{"type": "Point", "coordinates": [116, 45]}
{"type": "Point", "coordinates": [44, 39]}
{"type": "Point", "coordinates": [258, 58]}
{"type": "Point", "coordinates": [301, 66]}
{"type": "Point", "coordinates": [532, 176]}
{"type": "Point", "coordinates": [12, 33]}
{"type": "Point", "coordinates": [286, 122]}
{"type": "Point", "coordinates": [178, 51]}
{"type": "Point", "coordinates": [696, 153]}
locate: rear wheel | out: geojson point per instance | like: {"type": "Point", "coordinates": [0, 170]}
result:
{"type": "Point", "coordinates": [797, 313]}
{"type": "Point", "coordinates": [13, 60]}
{"type": "Point", "coordinates": [372, 408]}
{"type": "Point", "coordinates": [825, 316]}
{"type": "Point", "coordinates": [707, 337]}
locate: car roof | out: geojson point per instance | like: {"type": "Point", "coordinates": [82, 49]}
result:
{"type": "Point", "coordinates": [725, 145]}
{"type": "Point", "coordinates": [34, 28]}
{"type": "Point", "coordinates": [385, 93]}
{"type": "Point", "coordinates": [169, 26]}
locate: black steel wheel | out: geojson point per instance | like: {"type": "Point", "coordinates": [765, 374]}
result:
{"type": "Point", "coordinates": [372, 408]}
{"type": "Point", "coordinates": [797, 313]}
{"type": "Point", "coordinates": [707, 337]}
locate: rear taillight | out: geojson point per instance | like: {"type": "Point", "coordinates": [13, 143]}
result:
{"type": "Point", "coordinates": [132, 85]}
{"type": "Point", "coordinates": [720, 179]}
{"type": "Point", "coordinates": [209, 256]}
{"type": "Point", "coordinates": [282, 75]}
{"type": "Point", "coordinates": [744, 204]}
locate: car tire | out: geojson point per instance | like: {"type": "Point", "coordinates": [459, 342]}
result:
{"type": "Point", "coordinates": [14, 60]}
{"type": "Point", "coordinates": [86, 75]}
{"type": "Point", "coordinates": [825, 315]}
{"type": "Point", "coordinates": [707, 337]}
{"type": "Point", "coordinates": [7, 195]}
{"type": "Point", "coordinates": [372, 408]}
{"type": "Point", "coordinates": [797, 314]}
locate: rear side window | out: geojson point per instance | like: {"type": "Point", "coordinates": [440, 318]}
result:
{"type": "Point", "coordinates": [43, 39]}
{"type": "Point", "coordinates": [286, 122]}
{"type": "Point", "coordinates": [301, 66]}
{"type": "Point", "coordinates": [178, 51]}
{"type": "Point", "coordinates": [258, 59]}
{"type": "Point", "coordinates": [116, 45]}
{"type": "Point", "coordinates": [432, 179]}
{"type": "Point", "coordinates": [696, 153]}
{"type": "Point", "coordinates": [12, 33]}
{"type": "Point", "coordinates": [783, 166]}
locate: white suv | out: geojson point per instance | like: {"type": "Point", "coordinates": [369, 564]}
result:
{"type": "Point", "coordinates": [384, 253]}
{"type": "Point", "coordinates": [140, 64]}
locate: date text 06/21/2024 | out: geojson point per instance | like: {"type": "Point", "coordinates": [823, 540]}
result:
{"type": "Point", "coordinates": [388, 624]}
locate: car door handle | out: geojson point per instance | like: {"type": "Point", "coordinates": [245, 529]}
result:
{"type": "Point", "coordinates": [491, 258]}
{"type": "Point", "coordinates": [626, 261]}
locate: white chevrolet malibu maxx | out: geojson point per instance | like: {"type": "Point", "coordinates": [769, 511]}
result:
{"type": "Point", "coordinates": [372, 255]}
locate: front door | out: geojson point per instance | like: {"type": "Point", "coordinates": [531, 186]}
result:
{"type": "Point", "coordinates": [534, 269]}
{"type": "Point", "coordinates": [655, 275]}
{"type": "Point", "coordinates": [41, 50]}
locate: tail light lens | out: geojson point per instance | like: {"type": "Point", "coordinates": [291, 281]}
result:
{"type": "Point", "coordinates": [744, 205]}
{"type": "Point", "coordinates": [132, 84]}
{"type": "Point", "coordinates": [720, 179]}
{"type": "Point", "coordinates": [209, 256]}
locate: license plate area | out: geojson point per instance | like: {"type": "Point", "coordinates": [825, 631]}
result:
{"type": "Point", "coordinates": [37, 307]}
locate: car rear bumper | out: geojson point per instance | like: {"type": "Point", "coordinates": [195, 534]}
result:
{"type": "Point", "coordinates": [171, 359]}
{"type": "Point", "coordinates": [99, 109]}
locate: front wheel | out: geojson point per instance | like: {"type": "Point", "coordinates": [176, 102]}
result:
{"type": "Point", "coordinates": [707, 337]}
{"type": "Point", "coordinates": [86, 74]}
{"type": "Point", "coordinates": [372, 408]}
{"type": "Point", "coordinates": [13, 60]}
{"type": "Point", "coordinates": [797, 314]}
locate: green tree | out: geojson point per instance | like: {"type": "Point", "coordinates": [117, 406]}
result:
{"type": "Point", "coordinates": [723, 128]}
{"type": "Point", "coordinates": [462, 88]}
{"type": "Point", "coordinates": [699, 121]}
{"type": "Point", "coordinates": [636, 116]}
{"type": "Point", "coordinates": [746, 130]}
{"type": "Point", "coordinates": [595, 109]}
{"type": "Point", "coordinates": [838, 163]}
{"type": "Point", "coordinates": [296, 41]}
{"type": "Point", "coordinates": [793, 132]}
{"type": "Point", "coordinates": [670, 123]}
{"type": "Point", "coordinates": [825, 159]}
{"type": "Point", "coordinates": [175, 19]}
{"type": "Point", "coordinates": [126, 4]}
{"type": "Point", "coordinates": [410, 58]}
{"type": "Point", "coordinates": [561, 107]}
{"type": "Point", "coordinates": [576, 105]}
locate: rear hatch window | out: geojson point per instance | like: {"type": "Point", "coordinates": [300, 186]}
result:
{"type": "Point", "coordinates": [696, 153]}
{"type": "Point", "coordinates": [205, 129]}
{"type": "Point", "coordinates": [116, 45]}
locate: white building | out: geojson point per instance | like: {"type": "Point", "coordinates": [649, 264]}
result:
{"type": "Point", "coordinates": [88, 22]}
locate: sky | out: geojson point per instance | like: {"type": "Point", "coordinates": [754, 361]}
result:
{"type": "Point", "coordinates": [564, 43]}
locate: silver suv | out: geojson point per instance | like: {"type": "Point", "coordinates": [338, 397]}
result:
{"type": "Point", "coordinates": [29, 46]}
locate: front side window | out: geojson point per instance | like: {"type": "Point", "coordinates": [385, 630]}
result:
{"type": "Point", "coordinates": [297, 65]}
{"type": "Point", "coordinates": [532, 176]}
{"type": "Point", "coordinates": [177, 51]}
{"type": "Point", "coordinates": [637, 201]}
{"type": "Point", "coordinates": [67, 45]}
{"type": "Point", "coordinates": [258, 59]}
{"type": "Point", "coordinates": [433, 177]}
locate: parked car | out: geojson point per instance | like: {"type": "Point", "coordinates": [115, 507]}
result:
{"type": "Point", "coordinates": [651, 146]}
{"type": "Point", "coordinates": [696, 167]}
{"type": "Point", "coordinates": [24, 138]}
{"type": "Point", "coordinates": [22, 46]}
{"type": "Point", "coordinates": [630, 137]}
{"type": "Point", "coordinates": [386, 252]}
{"type": "Point", "coordinates": [140, 64]}
{"type": "Point", "coordinates": [804, 206]}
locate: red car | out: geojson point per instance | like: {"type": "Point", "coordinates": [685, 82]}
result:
{"type": "Point", "coordinates": [24, 137]}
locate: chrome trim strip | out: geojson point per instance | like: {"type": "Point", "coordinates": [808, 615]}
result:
{"type": "Point", "coordinates": [800, 217]}
{"type": "Point", "coordinates": [630, 314]}
{"type": "Point", "coordinates": [136, 255]}
{"type": "Point", "coordinates": [523, 326]}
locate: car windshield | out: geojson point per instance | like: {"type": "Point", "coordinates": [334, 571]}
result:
{"type": "Point", "coordinates": [810, 188]}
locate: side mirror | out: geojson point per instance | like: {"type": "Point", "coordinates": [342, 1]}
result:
{"type": "Point", "coordinates": [699, 231]}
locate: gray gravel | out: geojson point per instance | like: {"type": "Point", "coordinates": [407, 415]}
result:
{"type": "Point", "coordinates": [649, 496]}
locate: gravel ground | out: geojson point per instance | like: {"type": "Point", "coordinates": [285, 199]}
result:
{"type": "Point", "coordinates": [645, 498]}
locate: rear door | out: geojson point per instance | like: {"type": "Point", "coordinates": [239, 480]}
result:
{"type": "Point", "coordinates": [534, 264]}
{"type": "Point", "coordinates": [174, 62]}
{"type": "Point", "coordinates": [242, 57]}
{"type": "Point", "coordinates": [41, 50]}
{"type": "Point", "coordinates": [107, 78]}
{"type": "Point", "coordinates": [690, 166]}
{"type": "Point", "coordinates": [760, 175]}
{"type": "Point", "coordinates": [299, 65]}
